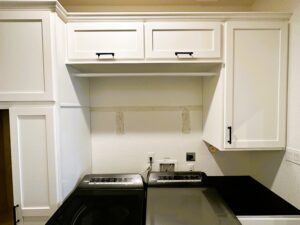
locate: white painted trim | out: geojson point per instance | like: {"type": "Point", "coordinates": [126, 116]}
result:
{"type": "Point", "coordinates": [8, 104]}
{"type": "Point", "coordinates": [200, 74]}
{"type": "Point", "coordinates": [159, 16]}
{"type": "Point", "coordinates": [292, 149]}
{"type": "Point", "coordinates": [270, 217]}
{"type": "Point", "coordinates": [269, 220]}
{"type": "Point", "coordinates": [72, 105]}
{"type": "Point", "coordinates": [55, 6]}
{"type": "Point", "coordinates": [144, 61]}
{"type": "Point", "coordinates": [145, 108]}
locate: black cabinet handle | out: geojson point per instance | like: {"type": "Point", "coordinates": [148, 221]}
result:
{"type": "Point", "coordinates": [15, 214]}
{"type": "Point", "coordinates": [184, 53]}
{"type": "Point", "coordinates": [230, 133]}
{"type": "Point", "coordinates": [105, 53]}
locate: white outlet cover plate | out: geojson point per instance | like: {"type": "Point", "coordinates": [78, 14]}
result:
{"type": "Point", "coordinates": [166, 161]}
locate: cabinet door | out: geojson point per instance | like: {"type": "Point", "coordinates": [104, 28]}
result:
{"type": "Point", "coordinates": [256, 85]}
{"type": "Point", "coordinates": [33, 161]}
{"type": "Point", "coordinates": [25, 56]}
{"type": "Point", "coordinates": [121, 40]}
{"type": "Point", "coordinates": [176, 40]}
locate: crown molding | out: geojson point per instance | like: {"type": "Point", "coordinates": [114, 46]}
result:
{"type": "Point", "coordinates": [31, 5]}
{"type": "Point", "coordinates": [150, 16]}
{"type": "Point", "coordinates": [55, 6]}
{"type": "Point", "coordinates": [47, 5]}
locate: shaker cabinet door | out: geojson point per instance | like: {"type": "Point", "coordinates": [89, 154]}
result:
{"type": "Point", "coordinates": [25, 56]}
{"type": "Point", "coordinates": [110, 40]}
{"type": "Point", "coordinates": [33, 161]}
{"type": "Point", "coordinates": [256, 85]}
{"type": "Point", "coordinates": [183, 40]}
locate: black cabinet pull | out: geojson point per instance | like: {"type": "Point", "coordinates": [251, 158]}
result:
{"type": "Point", "coordinates": [184, 53]}
{"type": "Point", "coordinates": [105, 53]}
{"type": "Point", "coordinates": [230, 133]}
{"type": "Point", "coordinates": [15, 214]}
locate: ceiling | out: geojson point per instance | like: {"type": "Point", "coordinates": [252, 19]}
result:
{"type": "Point", "coordinates": [157, 2]}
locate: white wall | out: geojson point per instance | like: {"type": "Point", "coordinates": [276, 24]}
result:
{"type": "Point", "coordinates": [152, 130]}
{"type": "Point", "coordinates": [272, 169]}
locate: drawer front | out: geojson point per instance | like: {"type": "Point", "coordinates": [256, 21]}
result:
{"type": "Point", "coordinates": [115, 40]}
{"type": "Point", "coordinates": [188, 39]}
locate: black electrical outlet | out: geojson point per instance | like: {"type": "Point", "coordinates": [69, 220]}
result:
{"type": "Point", "coordinates": [190, 156]}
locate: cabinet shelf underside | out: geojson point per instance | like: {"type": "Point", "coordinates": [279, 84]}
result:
{"type": "Point", "coordinates": [144, 69]}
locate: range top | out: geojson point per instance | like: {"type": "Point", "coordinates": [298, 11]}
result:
{"type": "Point", "coordinates": [109, 181]}
{"type": "Point", "coordinates": [176, 178]}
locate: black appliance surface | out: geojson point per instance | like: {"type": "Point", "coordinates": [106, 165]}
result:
{"type": "Point", "coordinates": [179, 198]}
{"type": "Point", "coordinates": [247, 197]}
{"type": "Point", "coordinates": [106, 199]}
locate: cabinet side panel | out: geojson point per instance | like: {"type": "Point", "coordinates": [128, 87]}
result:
{"type": "Point", "coordinates": [75, 147]}
{"type": "Point", "coordinates": [213, 119]}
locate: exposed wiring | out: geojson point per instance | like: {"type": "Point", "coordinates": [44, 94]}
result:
{"type": "Point", "coordinates": [147, 172]}
{"type": "Point", "coordinates": [150, 167]}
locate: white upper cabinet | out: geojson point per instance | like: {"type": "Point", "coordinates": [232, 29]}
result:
{"type": "Point", "coordinates": [105, 40]}
{"type": "Point", "coordinates": [256, 85]}
{"type": "Point", "coordinates": [25, 56]}
{"type": "Point", "coordinates": [183, 40]}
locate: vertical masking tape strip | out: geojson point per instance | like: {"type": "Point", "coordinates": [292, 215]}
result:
{"type": "Point", "coordinates": [186, 121]}
{"type": "Point", "coordinates": [120, 123]}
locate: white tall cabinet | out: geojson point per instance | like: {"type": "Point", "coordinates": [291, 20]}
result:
{"type": "Point", "coordinates": [33, 82]}
{"type": "Point", "coordinates": [27, 75]}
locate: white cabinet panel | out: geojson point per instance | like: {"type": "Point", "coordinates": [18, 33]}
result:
{"type": "Point", "coordinates": [256, 80]}
{"type": "Point", "coordinates": [265, 220]}
{"type": "Point", "coordinates": [25, 56]}
{"type": "Point", "coordinates": [32, 146]}
{"type": "Point", "coordinates": [33, 160]}
{"type": "Point", "coordinates": [123, 39]}
{"type": "Point", "coordinates": [165, 39]}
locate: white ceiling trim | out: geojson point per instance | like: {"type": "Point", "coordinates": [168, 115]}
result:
{"type": "Point", "coordinates": [55, 6]}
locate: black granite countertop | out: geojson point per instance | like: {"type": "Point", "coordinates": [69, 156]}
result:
{"type": "Point", "coordinates": [247, 197]}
